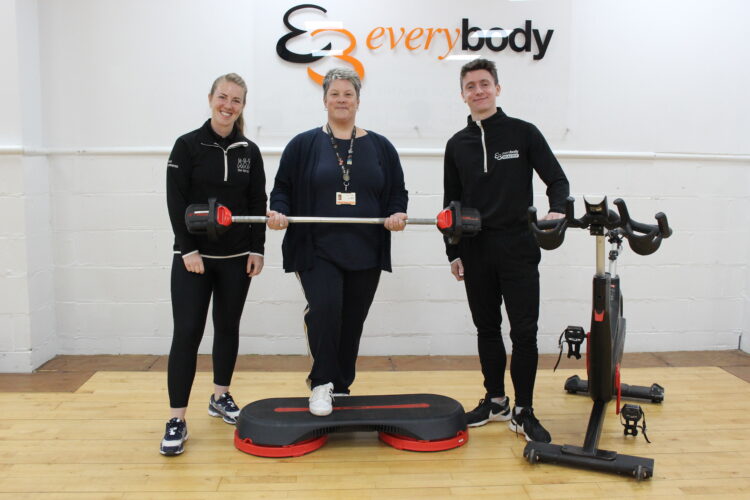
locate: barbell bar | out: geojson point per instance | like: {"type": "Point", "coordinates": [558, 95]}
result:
{"type": "Point", "coordinates": [212, 219]}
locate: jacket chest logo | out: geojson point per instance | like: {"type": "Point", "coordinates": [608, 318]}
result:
{"type": "Point", "coordinates": [507, 155]}
{"type": "Point", "coordinates": [243, 165]}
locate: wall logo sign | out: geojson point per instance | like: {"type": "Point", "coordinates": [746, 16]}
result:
{"type": "Point", "coordinates": [384, 38]}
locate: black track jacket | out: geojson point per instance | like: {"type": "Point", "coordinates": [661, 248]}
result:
{"type": "Point", "coordinates": [489, 165]}
{"type": "Point", "coordinates": [204, 165]}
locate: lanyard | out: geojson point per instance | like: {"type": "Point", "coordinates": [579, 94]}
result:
{"type": "Point", "coordinates": [345, 166]}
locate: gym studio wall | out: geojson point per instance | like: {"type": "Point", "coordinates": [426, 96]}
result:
{"type": "Point", "coordinates": [642, 100]}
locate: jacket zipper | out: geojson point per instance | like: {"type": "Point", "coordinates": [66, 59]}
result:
{"type": "Point", "coordinates": [484, 146]}
{"type": "Point", "coordinates": [241, 144]}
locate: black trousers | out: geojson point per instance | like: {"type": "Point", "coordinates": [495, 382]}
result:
{"type": "Point", "coordinates": [337, 305]}
{"type": "Point", "coordinates": [227, 281]}
{"type": "Point", "coordinates": [503, 265]}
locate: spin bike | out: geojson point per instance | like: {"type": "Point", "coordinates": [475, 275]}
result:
{"type": "Point", "coordinates": [606, 338]}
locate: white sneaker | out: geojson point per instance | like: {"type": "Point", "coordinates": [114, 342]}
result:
{"type": "Point", "coordinates": [321, 402]}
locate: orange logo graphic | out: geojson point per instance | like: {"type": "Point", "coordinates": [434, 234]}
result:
{"type": "Point", "coordinates": [472, 38]}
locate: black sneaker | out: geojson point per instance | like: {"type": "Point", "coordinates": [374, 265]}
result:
{"type": "Point", "coordinates": [224, 407]}
{"type": "Point", "coordinates": [527, 424]}
{"type": "Point", "coordinates": [488, 411]}
{"type": "Point", "coordinates": [174, 438]}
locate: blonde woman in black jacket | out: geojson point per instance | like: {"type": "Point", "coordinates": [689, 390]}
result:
{"type": "Point", "coordinates": [216, 160]}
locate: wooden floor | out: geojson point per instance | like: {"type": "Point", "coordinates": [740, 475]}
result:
{"type": "Point", "coordinates": [94, 431]}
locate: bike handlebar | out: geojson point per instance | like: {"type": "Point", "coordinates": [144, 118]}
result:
{"type": "Point", "coordinates": [550, 234]}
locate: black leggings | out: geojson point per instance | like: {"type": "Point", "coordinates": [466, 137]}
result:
{"type": "Point", "coordinates": [337, 305]}
{"type": "Point", "coordinates": [228, 282]}
{"type": "Point", "coordinates": [504, 265]}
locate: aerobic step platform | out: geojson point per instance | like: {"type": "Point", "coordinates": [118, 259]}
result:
{"type": "Point", "coordinates": [284, 427]}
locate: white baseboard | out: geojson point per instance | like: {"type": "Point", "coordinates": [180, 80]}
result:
{"type": "Point", "coordinates": [16, 362]}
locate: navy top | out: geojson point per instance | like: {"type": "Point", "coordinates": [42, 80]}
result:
{"type": "Point", "coordinates": [293, 193]}
{"type": "Point", "coordinates": [351, 246]}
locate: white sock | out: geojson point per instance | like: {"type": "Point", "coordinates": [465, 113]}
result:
{"type": "Point", "coordinates": [499, 401]}
{"type": "Point", "coordinates": [517, 410]}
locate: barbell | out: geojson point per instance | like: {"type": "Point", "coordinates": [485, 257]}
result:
{"type": "Point", "coordinates": [213, 219]}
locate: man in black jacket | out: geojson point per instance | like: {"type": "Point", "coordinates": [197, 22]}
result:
{"type": "Point", "coordinates": [489, 165]}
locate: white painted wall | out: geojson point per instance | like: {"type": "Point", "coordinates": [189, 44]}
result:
{"type": "Point", "coordinates": [13, 306]}
{"type": "Point", "coordinates": [27, 315]}
{"type": "Point", "coordinates": [10, 132]}
{"type": "Point", "coordinates": [117, 77]}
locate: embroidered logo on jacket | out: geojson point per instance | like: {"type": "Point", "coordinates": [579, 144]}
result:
{"type": "Point", "coordinates": [507, 155]}
{"type": "Point", "coordinates": [243, 165]}
{"type": "Point", "coordinates": [171, 164]}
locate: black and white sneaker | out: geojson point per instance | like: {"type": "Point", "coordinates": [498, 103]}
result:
{"type": "Point", "coordinates": [488, 411]}
{"type": "Point", "coordinates": [174, 438]}
{"type": "Point", "coordinates": [224, 407]}
{"type": "Point", "coordinates": [526, 423]}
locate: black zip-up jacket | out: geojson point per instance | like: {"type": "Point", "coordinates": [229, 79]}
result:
{"type": "Point", "coordinates": [204, 165]}
{"type": "Point", "coordinates": [489, 166]}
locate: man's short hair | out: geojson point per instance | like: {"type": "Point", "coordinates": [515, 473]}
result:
{"type": "Point", "coordinates": [477, 64]}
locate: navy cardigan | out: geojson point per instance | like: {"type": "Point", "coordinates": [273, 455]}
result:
{"type": "Point", "coordinates": [292, 195]}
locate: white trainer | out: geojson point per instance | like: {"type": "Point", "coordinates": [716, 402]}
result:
{"type": "Point", "coordinates": [321, 401]}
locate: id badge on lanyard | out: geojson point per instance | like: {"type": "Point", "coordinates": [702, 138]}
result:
{"type": "Point", "coordinates": [346, 198]}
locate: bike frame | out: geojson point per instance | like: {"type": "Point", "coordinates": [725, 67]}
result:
{"type": "Point", "coordinates": [606, 337]}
